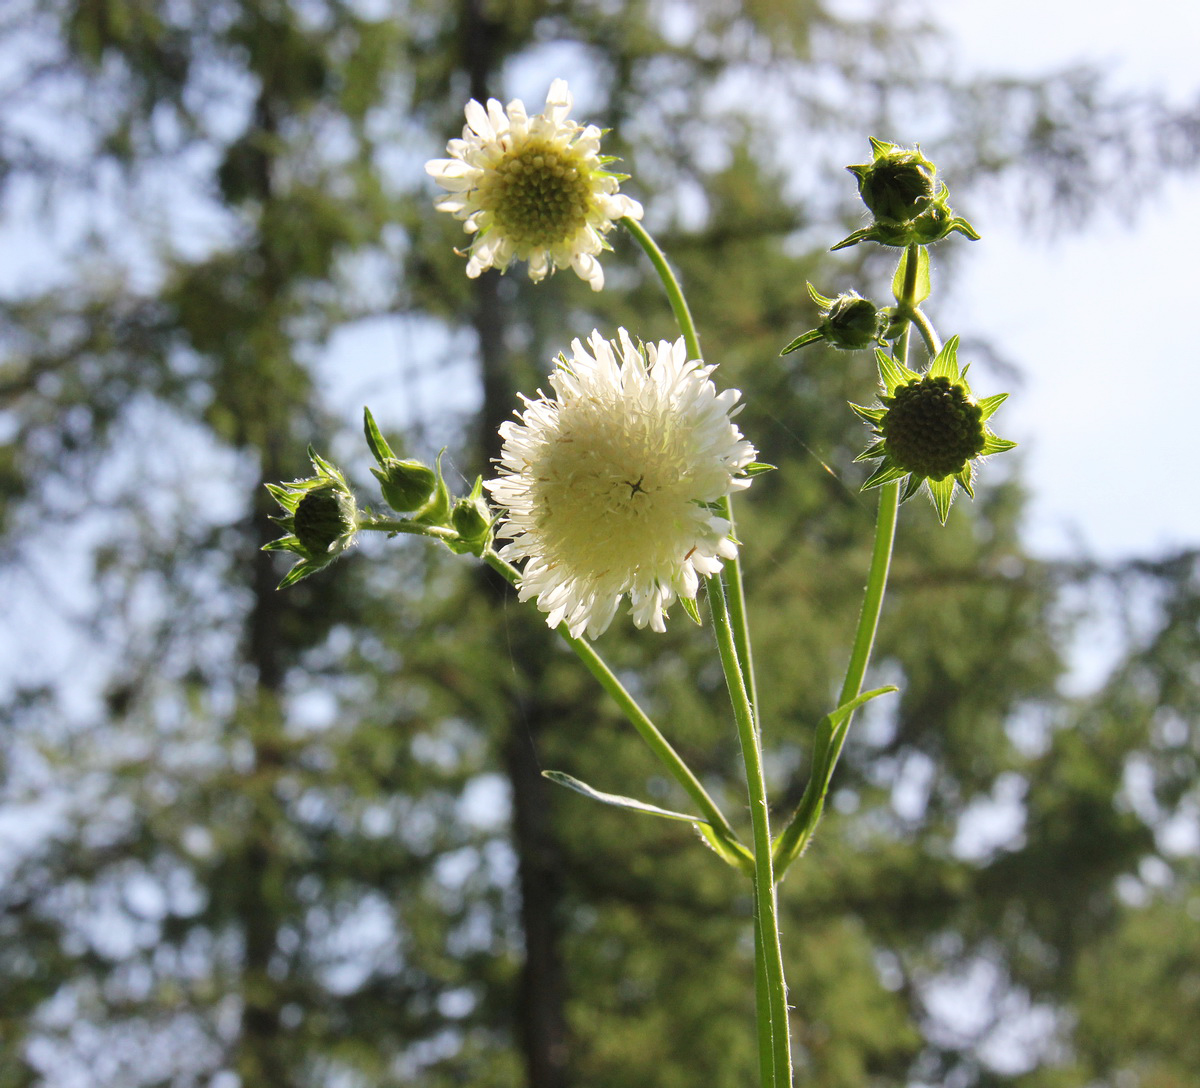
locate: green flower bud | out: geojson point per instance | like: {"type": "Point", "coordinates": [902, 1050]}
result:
{"type": "Point", "coordinates": [324, 516]}
{"type": "Point", "coordinates": [849, 322]}
{"type": "Point", "coordinates": [472, 520]}
{"type": "Point", "coordinates": [473, 525]}
{"type": "Point", "coordinates": [932, 427]}
{"type": "Point", "coordinates": [320, 518]}
{"type": "Point", "coordinates": [853, 323]}
{"type": "Point", "coordinates": [898, 185]}
{"type": "Point", "coordinates": [406, 485]}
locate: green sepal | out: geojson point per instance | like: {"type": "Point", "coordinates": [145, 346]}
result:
{"type": "Point", "coordinates": [692, 609]}
{"type": "Point", "coordinates": [756, 468]}
{"type": "Point", "coordinates": [923, 287]}
{"type": "Point", "coordinates": [994, 444]}
{"type": "Point", "coordinates": [912, 487]}
{"type": "Point", "coordinates": [964, 479]}
{"type": "Point", "coordinates": [810, 337]}
{"type": "Point", "coordinates": [284, 544]}
{"type": "Point", "coordinates": [988, 405]}
{"type": "Point", "coordinates": [437, 510]}
{"type": "Point", "coordinates": [301, 570]}
{"type": "Point", "coordinates": [860, 235]}
{"type": "Point", "coordinates": [617, 801]}
{"type": "Point", "coordinates": [287, 499]}
{"type": "Point", "coordinates": [871, 452]}
{"type": "Point", "coordinates": [380, 449]}
{"type": "Point", "coordinates": [818, 298]}
{"type": "Point", "coordinates": [884, 474]}
{"type": "Point", "coordinates": [870, 415]}
{"type": "Point", "coordinates": [945, 362]}
{"type": "Point", "coordinates": [943, 495]}
{"type": "Point", "coordinates": [892, 372]}
{"type": "Point", "coordinates": [827, 746]}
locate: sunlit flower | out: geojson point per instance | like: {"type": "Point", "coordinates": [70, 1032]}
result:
{"type": "Point", "coordinates": [607, 485]}
{"type": "Point", "coordinates": [930, 428]}
{"type": "Point", "coordinates": [532, 188]}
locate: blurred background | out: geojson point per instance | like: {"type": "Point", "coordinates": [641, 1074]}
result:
{"type": "Point", "coordinates": [273, 840]}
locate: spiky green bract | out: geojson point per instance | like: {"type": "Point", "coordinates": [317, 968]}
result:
{"type": "Point", "coordinates": [320, 518]}
{"type": "Point", "coordinates": [930, 428]}
{"type": "Point", "coordinates": [848, 322]}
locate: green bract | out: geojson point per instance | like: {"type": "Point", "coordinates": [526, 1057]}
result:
{"type": "Point", "coordinates": [930, 428]}
{"type": "Point", "coordinates": [320, 516]}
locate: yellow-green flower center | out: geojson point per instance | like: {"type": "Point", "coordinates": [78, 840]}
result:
{"type": "Point", "coordinates": [614, 495]}
{"type": "Point", "coordinates": [932, 427]}
{"type": "Point", "coordinates": [538, 194]}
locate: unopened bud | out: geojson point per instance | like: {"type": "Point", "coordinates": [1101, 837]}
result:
{"type": "Point", "coordinates": [324, 517]}
{"type": "Point", "coordinates": [406, 485]}
{"type": "Point", "coordinates": [898, 185]}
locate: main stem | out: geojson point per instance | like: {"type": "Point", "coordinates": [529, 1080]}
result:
{"type": "Point", "coordinates": [733, 644]}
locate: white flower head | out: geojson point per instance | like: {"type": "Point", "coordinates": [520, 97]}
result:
{"type": "Point", "coordinates": [607, 484]}
{"type": "Point", "coordinates": [532, 188]}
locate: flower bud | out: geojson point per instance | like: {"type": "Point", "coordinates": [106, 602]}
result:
{"type": "Point", "coordinates": [471, 520]}
{"type": "Point", "coordinates": [898, 184]}
{"type": "Point", "coordinates": [406, 485]}
{"type": "Point", "coordinates": [932, 427]}
{"type": "Point", "coordinates": [325, 516]}
{"type": "Point", "coordinates": [853, 323]}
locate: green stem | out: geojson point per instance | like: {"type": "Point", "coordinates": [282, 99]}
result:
{"type": "Point", "coordinates": [795, 837]}
{"type": "Point", "coordinates": [628, 706]}
{"type": "Point", "coordinates": [733, 643]}
{"type": "Point", "coordinates": [683, 316]}
{"type": "Point", "coordinates": [403, 525]}
{"type": "Point", "coordinates": [687, 327]}
{"type": "Point", "coordinates": [766, 912]}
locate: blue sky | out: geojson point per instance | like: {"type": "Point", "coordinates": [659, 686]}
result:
{"type": "Point", "coordinates": [1110, 362]}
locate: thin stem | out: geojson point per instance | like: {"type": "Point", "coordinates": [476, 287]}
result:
{"type": "Point", "coordinates": [687, 326]}
{"type": "Point", "coordinates": [795, 837]}
{"type": "Point", "coordinates": [403, 525]}
{"type": "Point", "coordinates": [683, 316]}
{"type": "Point", "coordinates": [764, 879]}
{"type": "Point", "coordinates": [733, 643]}
{"type": "Point", "coordinates": [640, 721]}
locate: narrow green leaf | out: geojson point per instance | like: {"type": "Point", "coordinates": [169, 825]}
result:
{"type": "Point", "coordinates": [733, 853]}
{"type": "Point", "coordinates": [379, 447]}
{"type": "Point", "coordinates": [691, 608]}
{"type": "Point", "coordinates": [964, 479]}
{"type": "Point", "coordinates": [618, 801]}
{"type": "Point", "coordinates": [988, 405]}
{"type": "Point", "coordinates": [757, 468]}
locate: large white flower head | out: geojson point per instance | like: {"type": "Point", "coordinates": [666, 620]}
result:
{"type": "Point", "coordinates": [607, 484]}
{"type": "Point", "coordinates": [532, 188]}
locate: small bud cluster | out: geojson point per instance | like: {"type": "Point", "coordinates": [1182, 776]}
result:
{"type": "Point", "coordinates": [322, 518]}
{"type": "Point", "coordinates": [929, 429]}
